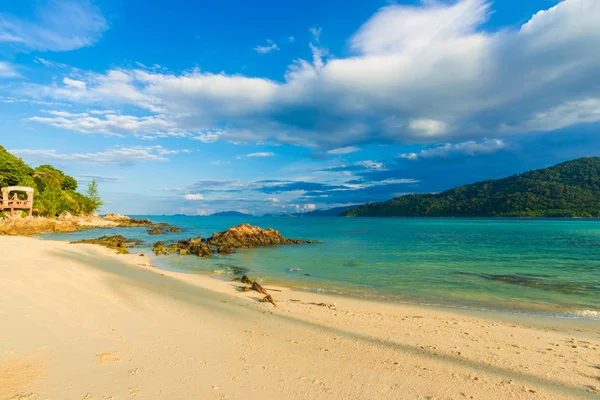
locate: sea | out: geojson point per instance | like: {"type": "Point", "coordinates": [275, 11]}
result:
{"type": "Point", "coordinates": [545, 267]}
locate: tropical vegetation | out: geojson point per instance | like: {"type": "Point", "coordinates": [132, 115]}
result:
{"type": "Point", "coordinates": [55, 192]}
{"type": "Point", "coordinates": [570, 189]}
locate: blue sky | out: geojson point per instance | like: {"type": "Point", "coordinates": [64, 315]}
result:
{"type": "Point", "coordinates": [286, 106]}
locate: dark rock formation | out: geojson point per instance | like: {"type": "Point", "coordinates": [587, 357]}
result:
{"type": "Point", "coordinates": [194, 246]}
{"type": "Point", "coordinates": [241, 236]}
{"type": "Point", "coordinates": [173, 229]}
{"type": "Point", "coordinates": [157, 230]}
{"type": "Point", "coordinates": [117, 242]}
{"type": "Point", "coordinates": [246, 235]}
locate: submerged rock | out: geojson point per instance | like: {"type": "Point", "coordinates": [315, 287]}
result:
{"type": "Point", "coordinates": [116, 242]}
{"type": "Point", "coordinates": [157, 230]}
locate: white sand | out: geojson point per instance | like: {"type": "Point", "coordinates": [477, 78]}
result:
{"type": "Point", "coordinates": [78, 322]}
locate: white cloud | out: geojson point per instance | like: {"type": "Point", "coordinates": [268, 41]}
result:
{"type": "Point", "coordinates": [316, 33]}
{"type": "Point", "coordinates": [60, 25]}
{"type": "Point", "coordinates": [418, 74]}
{"type": "Point", "coordinates": [470, 148]}
{"type": "Point", "coordinates": [304, 207]}
{"type": "Point", "coordinates": [269, 47]}
{"type": "Point", "coordinates": [344, 150]}
{"type": "Point", "coordinates": [273, 199]}
{"type": "Point", "coordinates": [371, 164]}
{"type": "Point", "coordinates": [118, 156]}
{"type": "Point", "coordinates": [261, 154]}
{"type": "Point", "coordinates": [108, 123]}
{"type": "Point", "coordinates": [194, 196]}
{"type": "Point", "coordinates": [291, 39]}
{"type": "Point", "coordinates": [74, 83]}
{"type": "Point", "coordinates": [8, 70]}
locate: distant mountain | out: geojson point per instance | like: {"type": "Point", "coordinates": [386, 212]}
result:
{"type": "Point", "coordinates": [332, 212]}
{"type": "Point", "coordinates": [570, 189]}
{"type": "Point", "coordinates": [230, 214]}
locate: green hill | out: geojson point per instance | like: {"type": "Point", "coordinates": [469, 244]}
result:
{"type": "Point", "coordinates": [570, 189]}
{"type": "Point", "coordinates": [55, 192]}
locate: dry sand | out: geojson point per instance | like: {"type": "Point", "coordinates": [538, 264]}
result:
{"type": "Point", "coordinates": [78, 322]}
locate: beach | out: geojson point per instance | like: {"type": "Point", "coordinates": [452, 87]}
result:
{"type": "Point", "coordinates": [81, 322]}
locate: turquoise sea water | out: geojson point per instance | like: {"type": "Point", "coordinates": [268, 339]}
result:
{"type": "Point", "coordinates": [549, 267]}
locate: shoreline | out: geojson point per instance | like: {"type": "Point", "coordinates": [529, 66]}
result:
{"type": "Point", "coordinates": [82, 321]}
{"type": "Point", "coordinates": [516, 314]}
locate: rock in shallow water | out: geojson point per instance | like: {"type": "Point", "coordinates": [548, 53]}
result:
{"type": "Point", "coordinates": [241, 236]}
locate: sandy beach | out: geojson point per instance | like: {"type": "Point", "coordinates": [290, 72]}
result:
{"type": "Point", "coordinates": [80, 322]}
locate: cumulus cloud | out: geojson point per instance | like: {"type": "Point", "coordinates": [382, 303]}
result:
{"type": "Point", "coordinates": [419, 74]}
{"type": "Point", "coordinates": [58, 25]}
{"type": "Point", "coordinates": [470, 148]}
{"type": "Point", "coordinates": [117, 156]}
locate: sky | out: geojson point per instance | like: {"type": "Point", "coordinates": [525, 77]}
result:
{"type": "Point", "coordinates": [290, 106]}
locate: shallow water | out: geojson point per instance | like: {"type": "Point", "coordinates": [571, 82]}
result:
{"type": "Point", "coordinates": [549, 267]}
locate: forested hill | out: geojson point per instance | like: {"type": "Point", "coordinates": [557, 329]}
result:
{"type": "Point", "coordinates": [54, 193]}
{"type": "Point", "coordinates": [570, 189]}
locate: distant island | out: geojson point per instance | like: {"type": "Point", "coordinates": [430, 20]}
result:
{"type": "Point", "coordinates": [332, 212]}
{"type": "Point", "coordinates": [570, 189]}
{"type": "Point", "coordinates": [230, 214]}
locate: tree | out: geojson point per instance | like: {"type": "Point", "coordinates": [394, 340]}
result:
{"type": "Point", "coordinates": [93, 194]}
{"type": "Point", "coordinates": [69, 183]}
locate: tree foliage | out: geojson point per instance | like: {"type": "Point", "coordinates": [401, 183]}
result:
{"type": "Point", "coordinates": [570, 189]}
{"type": "Point", "coordinates": [55, 192]}
{"type": "Point", "coordinates": [93, 194]}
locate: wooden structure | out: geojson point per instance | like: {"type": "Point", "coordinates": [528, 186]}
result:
{"type": "Point", "coordinates": [14, 202]}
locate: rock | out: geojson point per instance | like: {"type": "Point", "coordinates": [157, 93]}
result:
{"type": "Point", "coordinates": [117, 242]}
{"type": "Point", "coordinates": [34, 226]}
{"type": "Point", "coordinates": [65, 215]}
{"type": "Point", "coordinates": [269, 299]}
{"type": "Point", "coordinates": [194, 246]}
{"type": "Point", "coordinates": [246, 235]}
{"type": "Point", "coordinates": [226, 249]}
{"type": "Point", "coordinates": [256, 286]}
{"type": "Point", "coordinates": [246, 280]}
{"type": "Point", "coordinates": [157, 230]}
{"type": "Point", "coordinates": [173, 229]}
{"type": "Point", "coordinates": [159, 248]}
{"type": "Point", "coordinates": [116, 217]}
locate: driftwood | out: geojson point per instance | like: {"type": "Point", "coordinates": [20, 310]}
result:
{"type": "Point", "coordinates": [269, 299]}
{"type": "Point", "coordinates": [256, 286]}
